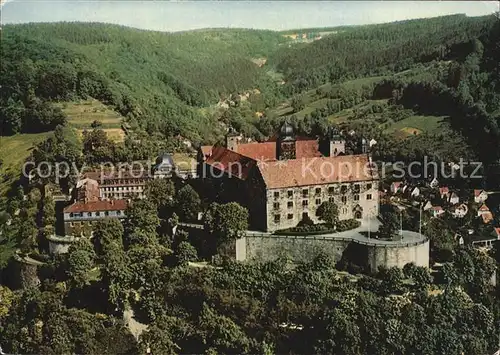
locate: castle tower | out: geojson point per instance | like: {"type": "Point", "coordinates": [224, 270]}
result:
{"type": "Point", "coordinates": [337, 143]}
{"type": "Point", "coordinates": [286, 147]}
{"type": "Point", "coordinates": [232, 139]}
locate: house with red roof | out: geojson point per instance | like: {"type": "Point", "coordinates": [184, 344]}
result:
{"type": "Point", "coordinates": [444, 193]}
{"type": "Point", "coordinates": [80, 216]}
{"type": "Point", "coordinates": [396, 187]}
{"type": "Point", "coordinates": [485, 214]}
{"type": "Point", "coordinates": [437, 211]}
{"type": "Point", "coordinates": [285, 179]}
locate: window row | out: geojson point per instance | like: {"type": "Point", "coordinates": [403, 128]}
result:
{"type": "Point", "coordinates": [124, 181]}
{"type": "Point", "coordinates": [96, 214]}
{"type": "Point", "coordinates": [318, 201]}
{"type": "Point", "coordinates": [124, 188]}
{"type": "Point", "coordinates": [331, 190]}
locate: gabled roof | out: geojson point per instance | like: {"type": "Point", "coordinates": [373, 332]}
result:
{"type": "Point", "coordinates": [266, 151]}
{"type": "Point", "coordinates": [497, 231]}
{"type": "Point", "coordinates": [396, 184]}
{"type": "Point", "coordinates": [487, 217]}
{"type": "Point", "coordinates": [483, 208]}
{"type": "Point", "coordinates": [437, 208]}
{"type": "Point", "coordinates": [97, 206]}
{"type": "Point", "coordinates": [478, 192]}
{"type": "Point", "coordinates": [230, 162]}
{"type": "Point", "coordinates": [316, 171]}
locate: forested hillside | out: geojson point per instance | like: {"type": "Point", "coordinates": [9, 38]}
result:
{"type": "Point", "coordinates": [169, 83]}
{"type": "Point", "coordinates": [155, 79]}
{"type": "Point", "coordinates": [378, 49]}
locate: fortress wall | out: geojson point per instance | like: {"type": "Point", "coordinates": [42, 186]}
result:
{"type": "Point", "coordinates": [267, 248]}
{"type": "Point", "coordinates": [398, 255]}
{"type": "Point", "coordinates": [299, 248]}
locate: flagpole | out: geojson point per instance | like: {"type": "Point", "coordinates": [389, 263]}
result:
{"type": "Point", "coordinates": [420, 221]}
{"type": "Point", "coordinates": [401, 219]}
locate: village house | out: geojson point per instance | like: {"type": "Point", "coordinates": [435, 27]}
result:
{"type": "Point", "coordinates": [459, 211]}
{"type": "Point", "coordinates": [181, 165]}
{"type": "Point", "coordinates": [123, 184]}
{"type": "Point", "coordinates": [427, 206]}
{"type": "Point", "coordinates": [437, 211]}
{"type": "Point", "coordinates": [480, 196]}
{"type": "Point", "coordinates": [285, 179]}
{"type": "Point", "coordinates": [485, 213]}
{"type": "Point", "coordinates": [444, 192]}
{"type": "Point", "coordinates": [396, 186]}
{"type": "Point", "coordinates": [454, 199]}
{"type": "Point", "coordinates": [415, 192]}
{"type": "Point", "coordinates": [89, 207]}
{"type": "Point", "coordinates": [434, 183]}
{"type": "Point", "coordinates": [82, 215]}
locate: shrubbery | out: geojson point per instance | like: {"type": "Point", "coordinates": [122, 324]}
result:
{"type": "Point", "coordinates": [308, 227]}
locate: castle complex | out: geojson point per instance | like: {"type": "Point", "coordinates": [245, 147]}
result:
{"type": "Point", "coordinates": [285, 179]}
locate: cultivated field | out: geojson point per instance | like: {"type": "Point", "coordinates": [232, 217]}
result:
{"type": "Point", "coordinates": [415, 125]}
{"type": "Point", "coordinates": [81, 114]}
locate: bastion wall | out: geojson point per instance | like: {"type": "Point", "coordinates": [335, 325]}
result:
{"type": "Point", "coordinates": [305, 248]}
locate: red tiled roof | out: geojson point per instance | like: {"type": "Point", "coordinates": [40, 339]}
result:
{"type": "Point", "coordinates": [477, 192]}
{"type": "Point", "coordinates": [206, 150]}
{"type": "Point", "coordinates": [258, 151]}
{"type": "Point", "coordinates": [94, 206]}
{"type": "Point", "coordinates": [267, 150]}
{"type": "Point", "coordinates": [484, 208]}
{"type": "Point", "coordinates": [444, 190]}
{"type": "Point", "coordinates": [487, 217]}
{"type": "Point", "coordinates": [316, 171]}
{"type": "Point", "coordinates": [497, 230]}
{"type": "Point", "coordinates": [230, 162]}
{"type": "Point", "coordinates": [437, 208]}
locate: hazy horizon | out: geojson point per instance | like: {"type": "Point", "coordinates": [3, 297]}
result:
{"type": "Point", "coordinates": [271, 15]}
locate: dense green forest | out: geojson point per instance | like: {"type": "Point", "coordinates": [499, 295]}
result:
{"type": "Point", "coordinates": [157, 80]}
{"type": "Point", "coordinates": [378, 49]}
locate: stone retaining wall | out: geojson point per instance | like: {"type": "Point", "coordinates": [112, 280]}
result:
{"type": "Point", "coordinates": [305, 248]}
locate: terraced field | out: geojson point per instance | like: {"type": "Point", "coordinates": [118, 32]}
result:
{"type": "Point", "coordinates": [81, 114]}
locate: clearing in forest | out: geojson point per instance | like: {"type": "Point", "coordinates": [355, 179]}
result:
{"type": "Point", "coordinates": [82, 113]}
{"type": "Point", "coordinates": [415, 125]}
